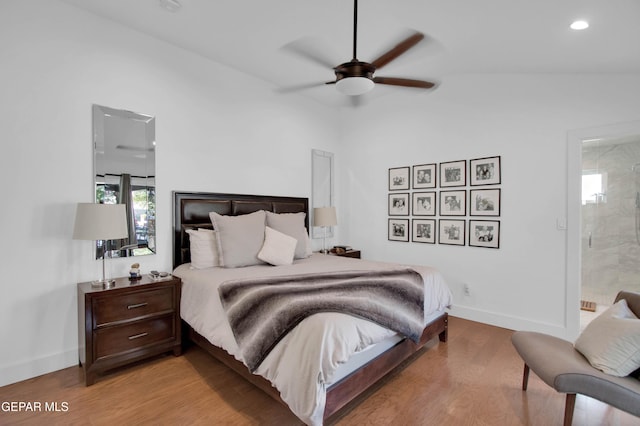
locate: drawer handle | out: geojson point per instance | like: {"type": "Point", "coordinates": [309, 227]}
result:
{"type": "Point", "coordinates": [137, 336]}
{"type": "Point", "coordinates": [137, 305]}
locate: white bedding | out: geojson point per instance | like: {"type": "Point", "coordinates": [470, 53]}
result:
{"type": "Point", "coordinates": [327, 340]}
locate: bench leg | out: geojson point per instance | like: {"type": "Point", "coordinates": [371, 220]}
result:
{"type": "Point", "coordinates": [568, 408]}
{"type": "Point", "coordinates": [525, 377]}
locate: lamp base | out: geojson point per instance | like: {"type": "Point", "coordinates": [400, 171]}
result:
{"type": "Point", "coordinates": [103, 283]}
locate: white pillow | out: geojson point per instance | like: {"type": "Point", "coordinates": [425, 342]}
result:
{"type": "Point", "coordinates": [292, 224]}
{"type": "Point", "coordinates": [240, 238]}
{"type": "Point", "coordinates": [204, 248]}
{"type": "Point", "coordinates": [278, 248]}
{"type": "Point", "coordinates": [611, 342]}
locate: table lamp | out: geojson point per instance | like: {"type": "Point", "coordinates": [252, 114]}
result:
{"type": "Point", "coordinates": [324, 216]}
{"type": "Point", "coordinates": [101, 222]}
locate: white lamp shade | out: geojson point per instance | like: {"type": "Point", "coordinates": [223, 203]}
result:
{"type": "Point", "coordinates": [354, 86]}
{"type": "Point", "coordinates": [100, 222]}
{"type": "Point", "coordinates": [324, 216]}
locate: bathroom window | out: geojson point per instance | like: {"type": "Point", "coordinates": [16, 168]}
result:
{"type": "Point", "coordinates": [593, 187]}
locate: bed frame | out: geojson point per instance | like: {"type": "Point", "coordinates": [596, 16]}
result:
{"type": "Point", "coordinates": [191, 210]}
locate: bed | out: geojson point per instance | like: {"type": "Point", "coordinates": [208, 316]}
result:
{"type": "Point", "coordinates": [325, 383]}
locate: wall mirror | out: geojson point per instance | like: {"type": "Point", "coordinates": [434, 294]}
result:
{"type": "Point", "coordinates": [125, 168]}
{"type": "Point", "coordinates": [321, 187]}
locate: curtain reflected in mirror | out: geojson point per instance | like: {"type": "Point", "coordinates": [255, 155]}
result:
{"type": "Point", "coordinates": [124, 164]}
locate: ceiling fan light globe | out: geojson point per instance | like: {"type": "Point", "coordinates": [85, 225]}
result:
{"type": "Point", "coordinates": [354, 86]}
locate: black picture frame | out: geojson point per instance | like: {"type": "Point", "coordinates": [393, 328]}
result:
{"type": "Point", "coordinates": [484, 233]}
{"type": "Point", "coordinates": [423, 231]}
{"type": "Point", "coordinates": [425, 176]}
{"type": "Point", "coordinates": [485, 171]}
{"type": "Point", "coordinates": [399, 204]}
{"type": "Point", "coordinates": [398, 230]}
{"type": "Point", "coordinates": [484, 202]}
{"type": "Point", "coordinates": [399, 178]}
{"type": "Point", "coordinates": [453, 173]}
{"type": "Point", "coordinates": [424, 203]}
{"type": "Point", "coordinates": [453, 203]}
{"type": "Point", "coordinates": [452, 232]}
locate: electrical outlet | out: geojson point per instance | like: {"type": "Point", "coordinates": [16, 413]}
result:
{"type": "Point", "coordinates": [466, 289]}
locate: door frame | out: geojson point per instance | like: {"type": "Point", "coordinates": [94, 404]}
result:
{"type": "Point", "coordinates": [575, 138]}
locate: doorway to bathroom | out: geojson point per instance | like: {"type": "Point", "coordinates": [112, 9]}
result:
{"type": "Point", "coordinates": [610, 221]}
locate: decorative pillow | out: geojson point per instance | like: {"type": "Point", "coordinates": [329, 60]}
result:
{"type": "Point", "coordinates": [611, 342]}
{"type": "Point", "coordinates": [278, 248]}
{"type": "Point", "coordinates": [292, 224]}
{"type": "Point", "coordinates": [204, 248]}
{"type": "Point", "coordinates": [240, 238]}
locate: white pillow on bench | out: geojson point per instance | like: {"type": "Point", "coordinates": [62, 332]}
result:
{"type": "Point", "coordinates": [611, 342]}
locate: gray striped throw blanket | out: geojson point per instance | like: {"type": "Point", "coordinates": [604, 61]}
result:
{"type": "Point", "coordinates": [262, 311]}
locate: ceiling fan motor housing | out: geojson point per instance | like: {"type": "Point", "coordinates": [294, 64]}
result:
{"type": "Point", "coordinates": [354, 68]}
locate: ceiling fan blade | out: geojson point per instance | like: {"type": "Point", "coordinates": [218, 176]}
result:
{"type": "Point", "coordinates": [311, 50]}
{"type": "Point", "coordinates": [298, 87]}
{"type": "Point", "coordinates": [398, 50]}
{"type": "Point", "coordinates": [406, 82]}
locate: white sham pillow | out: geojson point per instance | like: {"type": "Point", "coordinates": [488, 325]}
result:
{"type": "Point", "coordinates": [292, 224]}
{"type": "Point", "coordinates": [203, 246]}
{"type": "Point", "coordinates": [611, 342]}
{"type": "Point", "coordinates": [240, 238]}
{"type": "Point", "coordinates": [278, 249]}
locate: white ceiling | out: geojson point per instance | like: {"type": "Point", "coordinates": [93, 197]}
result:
{"type": "Point", "coordinates": [464, 36]}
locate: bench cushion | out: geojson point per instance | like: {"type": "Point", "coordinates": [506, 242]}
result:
{"type": "Point", "coordinates": [560, 366]}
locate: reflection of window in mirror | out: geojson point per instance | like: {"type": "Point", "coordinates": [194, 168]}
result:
{"type": "Point", "coordinates": [322, 187]}
{"type": "Point", "coordinates": [124, 160]}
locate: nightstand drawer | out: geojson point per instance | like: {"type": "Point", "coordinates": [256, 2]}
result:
{"type": "Point", "coordinates": [115, 340]}
{"type": "Point", "coordinates": [127, 306]}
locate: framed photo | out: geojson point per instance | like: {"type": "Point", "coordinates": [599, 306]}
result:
{"type": "Point", "coordinates": [485, 171]}
{"type": "Point", "coordinates": [399, 230]}
{"type": "Point", "coordinates": [399, 204]}
{"type": "Point", "coordinates": [424, 231]}
{"type": "Point", "coordinates": [453, 203]}
{"type": "Point", "coordinates": [484, 233]}
{"type": "Point", "coordinates": [451, 231]}
{"type": "Point", "coordinates": [453, 173]}
{"type": "Point", "coordinates": [424, 176]}
{"type": "Point", "coordinates": [424, 203]}
{"type": "Point", "coordinates": [484, 202]}
{"type": "Point", "coordinates": [399, 179]}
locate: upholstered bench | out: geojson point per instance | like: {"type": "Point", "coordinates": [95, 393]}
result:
{"type": "Point", "coordinates": [562, 367]}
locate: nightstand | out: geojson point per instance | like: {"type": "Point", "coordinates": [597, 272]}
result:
{"type": "Point", "coordinates": [349, 253]}
{"type": "Point", "coordinates": [125, 323]}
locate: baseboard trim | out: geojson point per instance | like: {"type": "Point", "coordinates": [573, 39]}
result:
{"type": "Point", "coordinates": [37, 367]}
{"type": "Point", "coordinates": [509, 322]}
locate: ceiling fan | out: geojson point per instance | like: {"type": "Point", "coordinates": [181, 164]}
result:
{"type": "Point", "coordinates": [357, 77]}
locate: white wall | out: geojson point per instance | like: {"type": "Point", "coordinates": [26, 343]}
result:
{"type": "Point", "coordinates": [217, 130]}
{"type": "Point", "coordinates": [526, 120]}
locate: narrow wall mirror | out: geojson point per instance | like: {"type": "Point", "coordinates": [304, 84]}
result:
{"type": "Point", "coordinates": [125, 168]}
{"type": "Point", "coordinates": [321, 187]}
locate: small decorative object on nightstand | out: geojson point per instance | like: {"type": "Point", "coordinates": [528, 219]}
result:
{"type": "Point", "coordinates": [127, 322]}
{"type": "Point", "coordinates": [345, 251]}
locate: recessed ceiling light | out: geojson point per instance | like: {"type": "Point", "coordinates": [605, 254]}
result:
{"type": "Point", "coordinates": [170, 5]}
{"type": "Point", "coordinates": [579, 25]}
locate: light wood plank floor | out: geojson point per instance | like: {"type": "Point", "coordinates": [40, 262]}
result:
{"type": "Point", "coordinates": [474, 379]}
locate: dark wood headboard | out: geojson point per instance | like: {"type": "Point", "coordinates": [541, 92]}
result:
{"type": "Point", "coordinates": [191, 210]}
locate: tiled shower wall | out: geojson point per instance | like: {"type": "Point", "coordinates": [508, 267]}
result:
{"type": "Point", "coordinates": [610, 249]}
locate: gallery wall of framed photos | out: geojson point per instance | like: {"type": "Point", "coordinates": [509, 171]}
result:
{"type": "Point", "coordinates": [452, 203]}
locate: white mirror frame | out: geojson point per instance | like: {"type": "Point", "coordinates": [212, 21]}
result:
{"type": "Point", "coordinates": [321, 188]}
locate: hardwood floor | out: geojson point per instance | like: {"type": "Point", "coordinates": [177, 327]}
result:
{"type": "Point", "coordinates": [473, 379]}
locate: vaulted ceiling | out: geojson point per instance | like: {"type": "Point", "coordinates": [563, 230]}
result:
{"type": "Point", "coordinates": [260, 37]}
